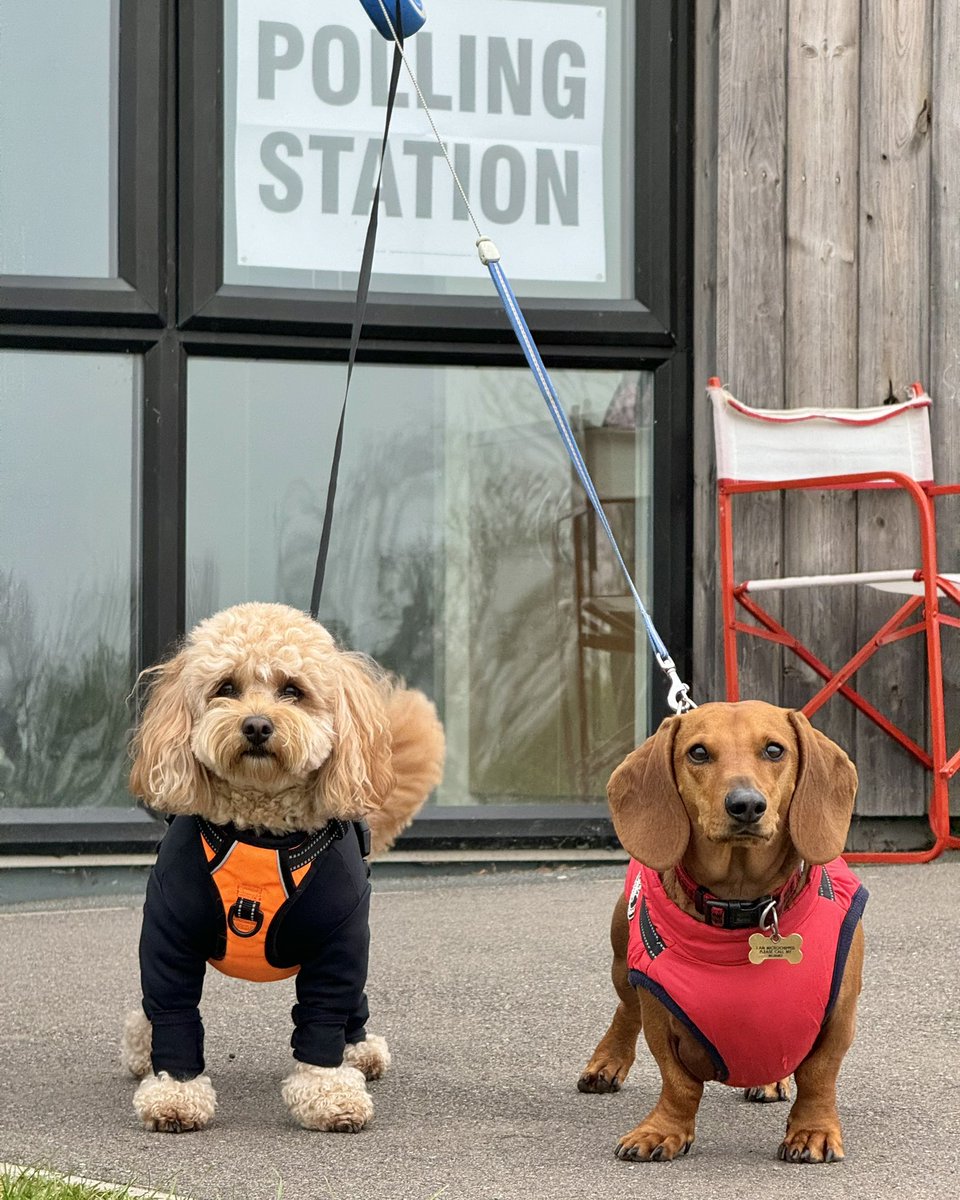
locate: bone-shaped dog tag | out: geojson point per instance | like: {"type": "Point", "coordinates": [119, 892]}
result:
{"type": "Point", "coordinates": [768, 949]}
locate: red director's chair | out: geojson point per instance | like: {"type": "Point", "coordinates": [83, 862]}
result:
{"type": "Point", "coordinates": [883, 448]}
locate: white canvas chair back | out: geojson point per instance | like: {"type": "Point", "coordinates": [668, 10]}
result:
{"type": "Point", "coordinates": [774, 445]}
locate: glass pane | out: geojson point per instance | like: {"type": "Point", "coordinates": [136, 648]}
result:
{"type": "Point", "coordinates": [528, 96]}
{"type": "Point", "coordinates": [462, 555]}
{"type": "Point", "coordinates": [58, 137]}
{"type": "Point", "coordinates": [68, 579]}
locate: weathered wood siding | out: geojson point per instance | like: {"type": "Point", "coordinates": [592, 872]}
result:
{"type": "Point", "coordinates": [827, 257]}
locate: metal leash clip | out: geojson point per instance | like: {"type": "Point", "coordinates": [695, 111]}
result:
{"type": "Point", "coordinates": [678, 697]}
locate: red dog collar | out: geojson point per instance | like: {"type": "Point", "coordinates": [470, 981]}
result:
{"type": "Point", "coordinates": [738, 914]}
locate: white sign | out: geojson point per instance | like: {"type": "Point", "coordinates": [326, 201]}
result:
{"type": "Point", "coordinates": [516, 88]}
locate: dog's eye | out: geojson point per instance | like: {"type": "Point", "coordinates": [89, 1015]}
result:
{"type": "Point", "coordinates": [698, 754]}
{"type": "Point", "coordinates": [290, 691]}
{"type": "Point", "coordinates": [773, 751]}
{"type": "Point", "coordinates": [227, 688]}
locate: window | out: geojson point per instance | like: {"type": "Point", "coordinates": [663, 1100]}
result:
{"type": "Point", "coordinates": [68, 586]}
{"type": "Point", "coordinates": [528, 96]}
{"type": "Point", "coordinates": [463, 557]}
{"type": "Point", "coordinates": [58, 145]}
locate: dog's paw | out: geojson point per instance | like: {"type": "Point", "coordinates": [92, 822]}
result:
{"type": "Point", "coordinates": [650, 1143]}
{"type": "Point", "coordinates": [168, 1105]}
{"type": "Point", "coordinates": [768, 1093]}
{"type": "Point", "coordinates": [604, 1073]}
{"type": "Point", "coordinates": [812, 1146]}
{"type": "Point", "coordinates": [332, 1099]}
{"type": "Point", "coordinates": [371, 1056]}
{"type": "Point", "coordinates": [136, 1043]}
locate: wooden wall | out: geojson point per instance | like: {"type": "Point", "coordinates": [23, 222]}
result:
{"type": "Point", "coordinates": [827, 260]}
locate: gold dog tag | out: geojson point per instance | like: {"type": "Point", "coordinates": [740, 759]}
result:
{"type": "Point", "coordinates": [767, 949]}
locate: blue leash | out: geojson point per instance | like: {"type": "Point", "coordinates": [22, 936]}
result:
{"type": "Point", "coordinates": [678, 696]}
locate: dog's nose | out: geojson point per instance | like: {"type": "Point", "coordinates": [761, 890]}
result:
{"type": "Point", "coordinates": [256, 729]}
{"type": "Point", "coordinates": [745, 805]}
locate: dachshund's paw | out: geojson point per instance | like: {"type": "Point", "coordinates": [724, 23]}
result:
{"type": "Point", "coordinates": [371, 1056]}
{"type": "Point", "coordinates": [650, 1143]}
{"type": "Point", "coordinates": [812, 1145]}
{"type": "Point", "coordinates": [604, 1073]}
{"type": "Point", "coordinates": [768, 1093]}
{"type": "Point", "coordinates": [136, 1043]}
{"type": "Point", "coordinates": [168, 1105]}
{"type": "Point", "coordinates": [332, 1099]}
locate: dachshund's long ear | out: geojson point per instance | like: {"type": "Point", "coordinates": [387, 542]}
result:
{"type": "Point", "coordinates": [648, 814]}
{"type": "Point", "coordinates": [823, 796]}
{"type": "Point", "coordinates": [357, 777]}
{"type": "Point", "coordinates": [165, 774]}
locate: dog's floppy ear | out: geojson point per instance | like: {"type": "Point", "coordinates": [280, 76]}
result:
{"type": "Point", "coordinates": [357, 776]}
{"type": "Point", "coordinates": [165, 774]}
{"type": "Point", "coordinates": [823, 796]}
{"type": "Point", "coordinates": [648, 814]}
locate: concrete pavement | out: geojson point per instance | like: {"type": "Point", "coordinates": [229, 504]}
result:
{"type": "Point", "coordinates": [492, 990]}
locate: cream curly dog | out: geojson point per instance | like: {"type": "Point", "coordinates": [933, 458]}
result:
{"type": "Point", "coordinates": [268, 744]}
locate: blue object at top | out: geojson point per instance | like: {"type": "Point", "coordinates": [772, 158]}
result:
{"type": "Point", "coordinates": [412, 15]}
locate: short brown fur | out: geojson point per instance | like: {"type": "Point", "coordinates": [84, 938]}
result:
{"type": "Point", "coordinates": [669, 809]}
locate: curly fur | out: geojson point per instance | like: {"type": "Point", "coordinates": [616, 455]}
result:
{"type": "Point", "coordinates": [168, 1105]}
{"type": "Point", "coordinates": [354, 743]}
{"type": "Point", "coordinates": [370, 1056]}
{"type": "Point", "coordinates": [136, 1043]}
{"type": "Point", "coordinates": [331, 1099]}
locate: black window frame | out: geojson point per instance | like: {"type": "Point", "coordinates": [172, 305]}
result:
{"type": "Point", "coordinates": [169, 303]}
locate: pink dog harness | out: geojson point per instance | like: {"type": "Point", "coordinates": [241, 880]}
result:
{"type": "Point", "coordinates": [757, 1021]}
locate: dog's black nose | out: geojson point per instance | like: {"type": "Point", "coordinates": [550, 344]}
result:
{"type": "Point", "coordinates": [256, 730]}
{"type": "Point", "coordinates": [745, 805]}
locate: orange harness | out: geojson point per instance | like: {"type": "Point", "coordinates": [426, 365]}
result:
{"type": "Point", "coordinates": [254, 883]}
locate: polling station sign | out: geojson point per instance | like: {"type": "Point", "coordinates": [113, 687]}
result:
{"type": "Point", "coordinates": [517, 91]}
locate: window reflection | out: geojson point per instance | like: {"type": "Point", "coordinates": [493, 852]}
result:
{"type": "Point", "coordinates": [461, 554]}
{"type": "Point", "coordinates": [67, 576]}
{"type": "Point", "coordinates": [58, 138]}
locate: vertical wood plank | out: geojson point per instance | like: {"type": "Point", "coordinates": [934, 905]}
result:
{"type": "Point", "coordinates": [944, 384]}
{"type": "Point", "coordinates": [707, 660]}
{"type": "Point", "coordinates": [750, 271]}
{"type": "Point", "coordinates": [823, 74]}
{"type": "Point", "coordinates": [893, 350]}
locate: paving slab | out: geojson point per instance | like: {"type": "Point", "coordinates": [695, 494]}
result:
{"type": "Point", "coordinates": [492, 990]}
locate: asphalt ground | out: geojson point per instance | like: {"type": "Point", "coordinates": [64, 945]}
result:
{"type": "Point", "coordinates": [492, 990]}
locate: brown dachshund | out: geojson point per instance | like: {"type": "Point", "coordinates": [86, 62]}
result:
{"type": "Point", "coordinates": [736, 950]}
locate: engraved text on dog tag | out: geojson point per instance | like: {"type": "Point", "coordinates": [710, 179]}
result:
{"type": "Point", "coordinates": [767, 949]}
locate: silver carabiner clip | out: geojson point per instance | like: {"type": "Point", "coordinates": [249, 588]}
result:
{"type": "Point", "coordinates": [678, 697]}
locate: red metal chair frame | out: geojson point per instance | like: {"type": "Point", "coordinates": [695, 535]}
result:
{"type": "Point", "coordinates": [929, 621]}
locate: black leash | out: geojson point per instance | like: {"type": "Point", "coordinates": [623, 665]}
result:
{"type": "Point", "coordinates": [363, 288]}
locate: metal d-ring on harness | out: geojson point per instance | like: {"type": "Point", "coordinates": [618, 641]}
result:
{"type": "Point", "coordinates": [678, 696]}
